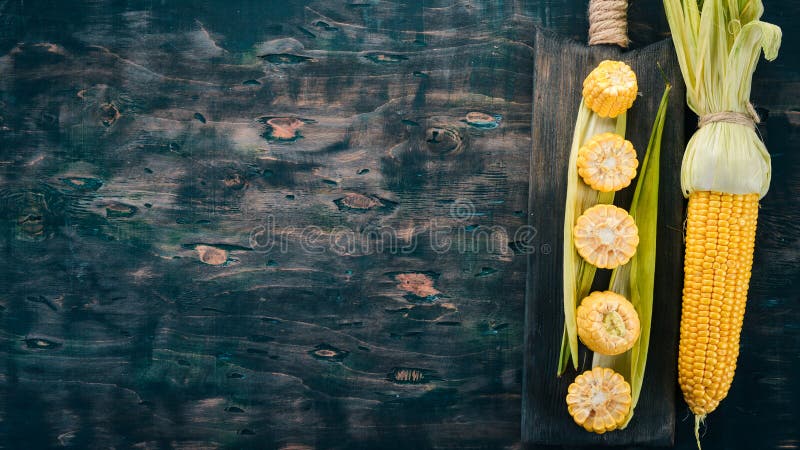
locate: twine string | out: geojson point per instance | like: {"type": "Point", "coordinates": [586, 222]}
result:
{"type": "Point", "coordinates": [748, 119]}
{"type": "Point", "coordinates": [608, 22]}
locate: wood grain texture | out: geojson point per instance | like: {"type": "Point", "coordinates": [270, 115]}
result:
{"type": "Point", "coordinates": [287, 239]}
{"type": "Point", "coordinates": [545, 419]}
{"type": "Point", "coordinates": [144, 147]}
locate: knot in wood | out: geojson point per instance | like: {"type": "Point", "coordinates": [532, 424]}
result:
{"type": "Point", "coordinates": [358, 201]}
{"type": "Point", "coordinates": [285, 129]}
{"type": "Point", "coordinates": [108, 114]}
{"type": "Point", "coordinates": [443, 140]}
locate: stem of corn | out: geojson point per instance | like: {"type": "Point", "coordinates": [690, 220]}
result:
{"type": "Point", "coordinates": [698, 420]}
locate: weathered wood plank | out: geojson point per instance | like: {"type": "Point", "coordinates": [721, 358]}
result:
{"type": "Point", "coordinates": [117, 328]}
{"type": "Point", "coordinates": [298, 241]}
{"type": "Point", "coordinates": [557, 95]}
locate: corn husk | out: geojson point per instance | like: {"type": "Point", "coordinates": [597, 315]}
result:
{"type": "Point", "coordinates": [718, 48]}
{"type": "Point", "coordinates": [578, 274]}
{"type": "Point", "coordinates": [635, 280]}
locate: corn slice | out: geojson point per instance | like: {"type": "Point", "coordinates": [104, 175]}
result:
{"type": "Point", "coordinates": [599, 400]}
{"type": "Point", "coordinates": [607, 323]}
{"type": "Point", "coordinates": [607, 162]}
{"type": "Point", "coordinates": [610, 88]}
{"type": "Point", "coordinates": [606, 236]}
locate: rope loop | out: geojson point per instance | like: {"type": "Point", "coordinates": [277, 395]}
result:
{"type": "Point", "coordinates": [748, 119]}
{"type": "Point", "coordinates": [608, 22]}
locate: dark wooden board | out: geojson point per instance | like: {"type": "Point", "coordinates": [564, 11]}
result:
{"type": "Point", "coordinates": [560, 66]}
{"type": "Point", "coordinates": [151, 348]}
{"type": "Point", "coordinates": [137, 151]}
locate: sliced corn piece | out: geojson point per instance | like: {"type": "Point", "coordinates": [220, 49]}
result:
{"type": "Point", "coordinates": [607, 162]}
{"type": "Point", "coordinates": [607, 323]}
{"type": "Point", "coordinates": [599, 400]}
{"type": "Point", "coordinates": [606, 236]}
{"type": "Point", "coordinates": [610, 88]}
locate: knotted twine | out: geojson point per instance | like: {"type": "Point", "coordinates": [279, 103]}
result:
{"type": "Point", "coordinates": [749, 119]}
{"type": "Point", "coordinates": [608, 22]}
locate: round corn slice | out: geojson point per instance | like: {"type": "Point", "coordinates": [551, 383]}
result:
{"type": "Point", "coordinates": [606, 236]}
{"type": "Point", "coordinates": [607, 162]}
{"type": "Point", "coordinates": [610, 88]}
{"type": "Point", "coordinates": [599, 400]}
{"type": "Point", "coordinates": [607, 323]}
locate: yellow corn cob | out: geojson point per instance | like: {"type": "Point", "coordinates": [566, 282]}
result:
{"type": "Point", "coordinates": [607, 323]}
{"type": "Point", "coordinates": [610, 88]}
{"type": "Point", "coordinates": [599, 400]}
{"type": "Point", "coordinates": [720, 235]}
{"type": "Point", "coordinates": [607, 162]}
{"type": "Point", "coordinates": [726, 169]}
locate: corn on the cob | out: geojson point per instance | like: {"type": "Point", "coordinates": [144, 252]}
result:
{"type": "Point", "coordinates": [610, 88]}
{"type": "Point", "coordinates": [607, 323]}
{"type": "Point", "coordinates": [726, 170]}
{"type": "Point", "coordinates": [606, 236]}
{"type": "Point", "coordinates": [599, 400]}
{"type": "Point", "coordinates": [720, 234]}
{"type": "Point", "coordinates": [607, 162]}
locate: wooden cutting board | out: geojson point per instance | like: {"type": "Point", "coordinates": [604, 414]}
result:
{"type": "Point", "coordinates": [560, 65]}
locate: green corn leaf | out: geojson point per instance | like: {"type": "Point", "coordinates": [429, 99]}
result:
{"type": "Point", "coordinates": [564, 356]}
{"type": "Point", "coordinates": [577, 274]}
{"type": "Point", "coordinates": [635, 280]}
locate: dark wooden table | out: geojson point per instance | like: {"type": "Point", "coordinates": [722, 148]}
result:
{"type": "Point", "coordinates": [275, 224]}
